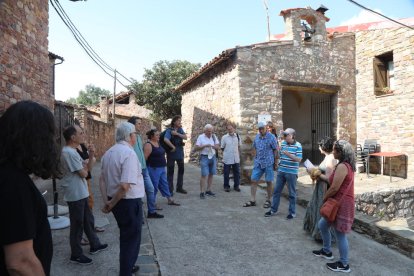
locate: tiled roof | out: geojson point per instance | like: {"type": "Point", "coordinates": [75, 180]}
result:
{"type": "Point", "coordinates": [54, 56]}
{"type": "Point", "coordinates": [371, 26]}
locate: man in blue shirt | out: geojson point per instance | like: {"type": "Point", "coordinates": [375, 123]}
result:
{"type": "Point", "coordinates": [149, 187]}
{"type": "Point", "coordinates": [266, 148]}
{"type": "Point", "coordinates": [290, 157]}
{"type": "Point", "coordinates": [174, 137]}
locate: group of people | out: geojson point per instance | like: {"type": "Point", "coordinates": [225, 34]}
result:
{"type": "Point", "coordinates": [132, 169]}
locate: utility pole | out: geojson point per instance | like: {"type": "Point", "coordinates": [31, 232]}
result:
{"type": "Point", "coordinates": [267, 19]}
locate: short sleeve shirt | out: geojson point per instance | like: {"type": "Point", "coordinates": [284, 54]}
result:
{"type": "Point", "coordinates": [264, 150]}
{"type": "Point", "coordinates": [230, 144]}
{"type": "Point", "coordinates": [204, 140]}
{"type": "Point", "coordinates": [23, 216]}
{"type": "Point", "coordinates": [120, 165]}
{"type": "Point", "coordinates": [178, 154]}
{"type": "Point", "coordinates": [74, 186]}
{"type": "Point", "coordinates": [286, 164]}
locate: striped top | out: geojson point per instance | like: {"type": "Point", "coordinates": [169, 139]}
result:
{"type": "Point", "coordinates": [287, 165]}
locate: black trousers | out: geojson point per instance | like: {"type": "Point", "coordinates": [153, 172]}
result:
{"type": "Point", "coordinates": [170, 173]}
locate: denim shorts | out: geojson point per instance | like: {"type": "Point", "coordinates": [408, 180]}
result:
{"type": "Point", "coordinates": [208, 166]}
{"type": "Point", "coordinates": [257, 173]}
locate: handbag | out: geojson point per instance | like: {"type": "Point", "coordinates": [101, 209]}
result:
{"type": "Point", "coordinates": [330, 207]}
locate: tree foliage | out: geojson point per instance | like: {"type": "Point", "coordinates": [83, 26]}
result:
{"type": "Point", "coordinates": [90, 96]}
{"type": "Point", "coordinates": [156, 90]}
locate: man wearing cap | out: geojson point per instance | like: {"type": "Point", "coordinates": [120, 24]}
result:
{"type": "Point", "coordinates": [266, 148]}
{"type": "Point", "coordinates": [290, 157]}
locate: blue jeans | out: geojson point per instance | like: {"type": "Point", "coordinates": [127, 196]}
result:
{"type": "Point", "coordinates": [236, 174]}
{"type": "Point", "coordinates": [149, 191]}
{"type": "Point", "coordinates": [341, 241]}
{"type": "Point", "coordinates": [159, 180]}
{"type": "Point", "coordinates": [281, 179]}
{"type": "Point", "coordinates": [128, 215]}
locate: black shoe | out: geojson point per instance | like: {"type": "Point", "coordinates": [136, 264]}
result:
{"type": "Point", "coordinates": [210, 193]}
{"type": "Point", "coordinates": [202, 196]}
{"type": "Point", "coordinates": [82, 260]}
{"type": "Point", "coordinates": [338, 267]}
{"type": "Point", "coordinates": [323, 254]}
{"type": "Point", "coordinates": [154, 215]}
{"type": "Point", "coordinates": [181, 191]}
{"type": "Point", "coordinates": [291, 216]}
{"type": "Point", "coordinates": [135, 268]}
{"type": "Point", "coordinates": [227, 189]}
{"type": "Point", "coordinates": [237, 189]}
{"type": "Point", "coordinates": [100, 248]}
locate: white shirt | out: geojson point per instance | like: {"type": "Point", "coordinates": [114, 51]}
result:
{"type": "Point", "coordinates": [231, 154]}
{"type": "Point", "coordinates": [204, 140]}
{"type": "Point", "coordinates": [120, 165]}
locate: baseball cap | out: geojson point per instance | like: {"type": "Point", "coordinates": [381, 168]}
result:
{"type": "Point", "coordinates": [289, 131]}
{"type": "Point", "coordinates": [261, 124]}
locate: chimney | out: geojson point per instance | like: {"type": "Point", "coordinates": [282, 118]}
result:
{"type": "Point", "coordinates": [104, 105]}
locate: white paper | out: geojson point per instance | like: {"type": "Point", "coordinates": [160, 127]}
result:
{"type": "Point", "coordinates": [308, 164]}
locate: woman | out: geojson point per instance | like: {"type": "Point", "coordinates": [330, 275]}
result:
{"type": "Point", "coordinates": [27, 146]}
{"type": "Point", "coordinates": [156, 163]}
{"type": "Point", "coordinates": [342, 189]}
{"type": "Point", "coordinates": [312, 216]}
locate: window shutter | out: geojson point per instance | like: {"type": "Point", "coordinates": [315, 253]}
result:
{"type": "Point", "coordinates": [380, 75]}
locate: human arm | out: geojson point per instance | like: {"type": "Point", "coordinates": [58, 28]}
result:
{"type": "Point", "coordinates": [147, 150]}
{"type": "Point", "coordinates": [216, 142]}
{"type": "Point", "coordinates": [20, 259]}
{"type": "Point", "coordinates": [340, 174]}
{"type": "Point", "coordinates": [102, 188]}
{"type": "Point", "coordinates": [181, 135]}
{"type": "Point", "coordinates": [120, 193]}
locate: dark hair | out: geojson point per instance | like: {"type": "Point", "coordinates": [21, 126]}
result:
{"type": "Point", "coordinates": [133, 120]}
{"type": "Point", "coordinates": [68, 132]}
{"type": "Point", "coordinates": [175, 119]}
{"type": "Point", "coordinates": [27, 139]}
{"type": "Point", "coordinates": [347, 153]}
{"type": "Point", "coordinates": [326, 144]}
{"type": "Point", "coordinates": [151, 133]}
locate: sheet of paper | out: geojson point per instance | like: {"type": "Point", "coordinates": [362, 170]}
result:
{"type": "Point", "coordinates": [308, 164]}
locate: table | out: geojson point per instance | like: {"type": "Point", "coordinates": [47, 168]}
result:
{"type": "Point", "coordinates": [384, 154]}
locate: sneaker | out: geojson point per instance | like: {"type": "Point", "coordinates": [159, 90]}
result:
{"type": "Point", "coordinates": [154, 215]}
{"type": "Point", "coordinates": [237, 189]}
{"type": "Point", "coordinates": [100, 248]}
{"type": "Point", "coordinates": [181, 191]}
{"type": "Point", "coordinates": [202, 196]}
{"type": "Point", "coordinates": [270, 213]}
{"type": "Point", "coordinates": [338, 267]}
{"type": "Point", "coordinates": [227, 189]}
{"type": "Point", "coordinates": [210, 193]}
{"type": "Point", "coordinates": [291, 216]}
{"type": "Point", "coordinates": [82, 260]}
{"type": "Point", "coordinates": [323, 254]}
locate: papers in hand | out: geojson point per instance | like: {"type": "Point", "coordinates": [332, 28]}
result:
{"type": "Point", "coordinates": [308, 164]}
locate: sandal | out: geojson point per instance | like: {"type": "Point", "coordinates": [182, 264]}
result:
{"type": "Point", "coordinates": [174, 203]}
{"type": "Point", "coordinates": [84, 241]}
{"type": "Point", "coordinates": [267, 204]}
{"type": "Point", "coordinates": [249, 204]}
{"type": "Point", "coordinates": [99, 229]}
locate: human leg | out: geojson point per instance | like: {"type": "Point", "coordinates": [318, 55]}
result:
{"type": "Point", "coordinates": [280, 183]}
{"type": "Point", "coordinates": [180, 176]}
{"type": "Point", "coordinates": [76, 214]}
{"type": "Point", "coordinates": [326, 235]}
{"type": "Point", "coordinates": [88, 226]}
{"type": "Point", "coordinates": [236, 175]}
{"type": "Point", "coordinates": [343, 247]}
{"type": "Point", "coordinates": [257, 173]}
{"type": "Point", "coordinates": [149, 191]}
{"type": "Point", "coordinates": [291, 182]}
{"type": "Point", "coordinates": [226, 176]}
{"type": "Point", "coordinates": [170, 172]}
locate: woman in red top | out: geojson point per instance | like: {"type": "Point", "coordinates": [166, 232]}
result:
{"type": "Point", "coordinates": [341, 189]}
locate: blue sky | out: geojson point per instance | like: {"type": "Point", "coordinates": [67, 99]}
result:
{"type": "Point", "coordinates": [131, 35]}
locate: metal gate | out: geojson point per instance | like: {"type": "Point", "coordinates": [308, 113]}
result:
{"type": "Point", "coordinates": [321, 123]}
{"type": "Point", "coordinates": [64, 116]}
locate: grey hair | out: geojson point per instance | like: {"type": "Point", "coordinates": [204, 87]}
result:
{"type": "Point", "coordinates": [347, 153]}
{"type": "Point", "coordinates": [208, 126]}
{"type": "Point", "coordinates": [123, 131]}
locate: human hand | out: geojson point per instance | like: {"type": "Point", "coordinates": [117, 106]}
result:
{"type": "Point", "coordinates": [173, 149]}
{"type": "Point", "coordinates": [174, 132]}
{"type": "Point", "coordinates": [91, 150]}
{"type": "Point", "coordinates": [107, 208]}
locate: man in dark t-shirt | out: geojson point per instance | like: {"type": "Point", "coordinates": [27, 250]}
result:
{"type": "Point", "coordinates": [23, 213]}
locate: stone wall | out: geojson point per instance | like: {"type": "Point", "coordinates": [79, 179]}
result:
{"type": "Point", "coordinates": [388, 118]}
{"type": "Point", "coordinates": [24, 61]}
{"type": "Point", "coordinates": [388, 204]}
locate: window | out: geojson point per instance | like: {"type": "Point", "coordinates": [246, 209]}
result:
{"type": "Point", "coordinates": [383, 74]}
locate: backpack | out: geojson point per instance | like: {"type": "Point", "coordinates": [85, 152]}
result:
{"type": "Point", "coordinates": [166, 147]}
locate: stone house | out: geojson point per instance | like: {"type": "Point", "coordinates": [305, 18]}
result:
{"type": "Point", "coordinates": [24, 59]}
{"type": "Point", "coordinates": [316, 82]}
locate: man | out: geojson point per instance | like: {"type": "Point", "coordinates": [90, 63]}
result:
{"type": "Point", "coordinates": [230, 143]}
{"type": "Point", "coordinates": [174, 137]}
{"type": "Point", "coordinates": [291, 155]}
{"type": "Point", "coordinates": [207, 143]}
{"type": "Point", "coordinates": [122, 188]}
{"type": "Point", "coordinates": [265, 161]}
{"type": "Point", "coordinates": [149, 188]}
{"type": "Point", "coordinates": [76, 195]}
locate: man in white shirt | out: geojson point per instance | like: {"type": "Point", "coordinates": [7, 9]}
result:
{"type": "Point", "coordinates": [208, 144]}
{"type": "Point", "coordinates": [230, 144]}
{"type": "Point", "coordinates": [122, 189]}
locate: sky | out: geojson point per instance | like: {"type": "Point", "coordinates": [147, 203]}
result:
{"type": "Point", "coordinates": [132, 35]}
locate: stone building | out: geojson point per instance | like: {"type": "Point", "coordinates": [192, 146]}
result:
{"type": "Point", "coordinates": [306, 84]}
{"type": "Point", "coordinates": [24, 60]}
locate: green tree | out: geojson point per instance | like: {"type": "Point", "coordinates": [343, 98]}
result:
{"type": "Point", "coordinates": [90, 95]}
{"type": "Point", "coordinates": [156, 90]}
